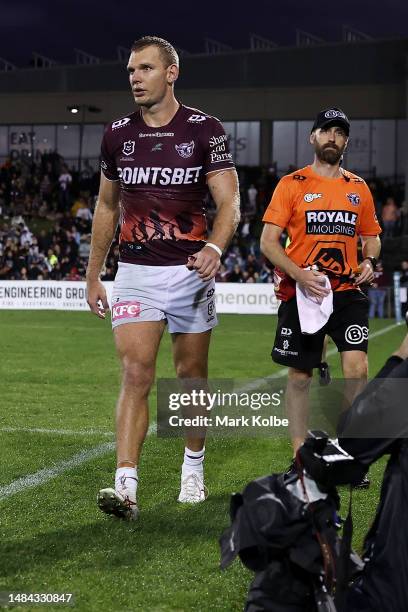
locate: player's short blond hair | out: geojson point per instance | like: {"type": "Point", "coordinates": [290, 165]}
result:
{"type": "Point", "coordinates": [168, 53]}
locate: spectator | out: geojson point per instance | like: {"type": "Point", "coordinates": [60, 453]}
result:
{"type": "Point", "coordinates": [389, 216]}
{"type": "Point", "coordinates": [378, 291]}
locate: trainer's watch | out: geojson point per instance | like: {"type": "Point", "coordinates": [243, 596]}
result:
{"type": "Point", "coordinates": [373, 261]}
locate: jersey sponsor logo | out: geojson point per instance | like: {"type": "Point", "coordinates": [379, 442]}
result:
{"type": "Point", "coordinates": [159, 176]}
{"type": "Point", "coordinates": [128, 147]}
{"type": "Point", "coordinates": [210, 293]}
{"type": "Point", "coordinates": [299, 177]}
{"type": "Point", "coordinates": [157, 147]}
{"type": "Point", "coordinates": [217, 140]}
{"type": "Point", "coordinates": [196, 118]}
{"type": "Point", "coordinates": [328, 258]}
{"type": "Point", "coordinates": [285, 345]}
{"type": "Point", "coordinates": [185, 149]}
{"type": "Point", "coordinates": [156, 134]}
{"type": "Point", "coordinates": [331, 222]}
{"type": "Point", "coordinates": [126, 310]}
{"type": "Point", "coordinates": [309, 197]}
{"type": "Point", "coordinates": [356, 334]}
{"type": "Point", "coordinates": [334, 114]}
{"type": "Point", "coordinates": [120, 123]}
{"type": "Point", "coordinates": [215, 157]}
{"type": "Point", "coordinates": [286, 331]}
{"type": "Point", "coordinates": [353, 198]}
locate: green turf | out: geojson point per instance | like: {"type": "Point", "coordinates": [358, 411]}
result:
{"type": "Point", "coordinates": [59, 371]}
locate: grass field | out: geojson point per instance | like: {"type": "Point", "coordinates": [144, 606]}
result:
{"type": "Point", "coordinates": [59, 382]}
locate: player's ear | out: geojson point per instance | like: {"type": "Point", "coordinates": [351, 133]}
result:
{"type": "Point", "coordinates": [172, 73]}
{"type": "Point", "coordinates": [312, 137]}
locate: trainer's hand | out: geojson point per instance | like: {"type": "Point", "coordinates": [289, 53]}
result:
{"type": "Point", "coordinates": [207, 263]}
{"type": "Point", "coordinates": [313, 282]}
{"type": "Point", "coordinates": [96, 298]}
{"type": "Point", "coordinates": [366, 275]}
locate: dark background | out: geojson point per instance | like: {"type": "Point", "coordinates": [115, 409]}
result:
{"type": "Point", "coordinates": [55, 28]}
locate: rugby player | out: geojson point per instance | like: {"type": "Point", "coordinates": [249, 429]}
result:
{"type": "Point", "coordinates": [325, 210]}
{"type": "Point", "coordinates": [157, 164]}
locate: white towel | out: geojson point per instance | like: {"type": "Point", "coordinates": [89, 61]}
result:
{"type": "Point", "coordinates": [314, 312]}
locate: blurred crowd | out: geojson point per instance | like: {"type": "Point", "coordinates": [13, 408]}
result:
{"type": "Point", "coordinates": [46, 214]}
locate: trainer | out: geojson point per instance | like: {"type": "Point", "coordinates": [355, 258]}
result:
{"type": "Point", "coordinates": [157, 166]}
{"type": "Point", "coordinates": [325, 210]}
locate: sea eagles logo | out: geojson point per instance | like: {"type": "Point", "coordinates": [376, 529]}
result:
{"type": "Point", "coordinates": [128, 147]}
{"type": "Point", "coordinates": [353, 198]}
{"type": "Point", "coordinates": [185, 149]}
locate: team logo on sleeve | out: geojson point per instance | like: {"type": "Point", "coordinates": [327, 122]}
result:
{"type": "Point", "coordinates": [353, 198]}
{"type": "Point", "coordinates": [120, 123]}
{"type": "Point", "coordinates": [185, 149]}
{"type": "Point", "coordinates": [128, 147]}
{"type": "Point", "coordinates": [196, 118]}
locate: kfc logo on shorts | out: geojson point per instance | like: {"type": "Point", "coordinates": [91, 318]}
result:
{"type": "Point", "coordinates": [128, 147]}
{"type": "Point", "coordinates": [125, 310]}
{"type": "Point", "coordinates": [120, 123]}
{"type": "Point", "coordinates": [185, 149]}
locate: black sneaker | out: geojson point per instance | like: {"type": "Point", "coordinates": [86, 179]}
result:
{"type": "Point", "coordinates": [363, 484]}
{"type": "Point", "coordinates": [324, 374]}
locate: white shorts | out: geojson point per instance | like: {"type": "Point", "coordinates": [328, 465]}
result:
{"type": "Point", "coordinates": [171, 293]}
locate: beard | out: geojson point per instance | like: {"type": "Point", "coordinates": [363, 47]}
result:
{"type": "Point", "coordinates": [329, 154]}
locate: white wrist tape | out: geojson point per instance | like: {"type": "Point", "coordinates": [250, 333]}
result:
{"type": "Point", "coordinates": [215, 247]}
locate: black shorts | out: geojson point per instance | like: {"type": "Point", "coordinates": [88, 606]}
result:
{"type": "Point", "coordinates": [347, 327]}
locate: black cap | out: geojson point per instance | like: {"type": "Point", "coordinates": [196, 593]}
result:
{"type": "Point", "coordinates": [332, 116]}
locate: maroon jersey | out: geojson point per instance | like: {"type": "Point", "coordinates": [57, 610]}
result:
{"type": "Point", "coordinates": [162, 173]}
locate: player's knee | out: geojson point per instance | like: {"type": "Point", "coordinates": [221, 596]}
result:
{"type": "Point", "coordinates": [356, 368]}
{"type": "Point", "coordinates": [137, 375]}
{"type": "Point", "coordinates": [300, 379]}
{"type": "Point", "coordinates": [192, 368]}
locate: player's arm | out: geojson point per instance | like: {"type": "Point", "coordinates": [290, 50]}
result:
{"type": "Point", "coordinates": [224, 189]}
{"type": "Point", "coordinates": [371, 247]}
{"type": "Point", "coordinates": [271, 247]}
{"type": "Point", "coordinates": [104, 225]}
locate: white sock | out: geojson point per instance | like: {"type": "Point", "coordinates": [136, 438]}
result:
{"type": "Point", "coordinates": [193, 462]}
{"type": "Point", "coordinates": [126, 481]}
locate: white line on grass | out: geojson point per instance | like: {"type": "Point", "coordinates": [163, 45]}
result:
{"type": "Point", "coordinates": [58, 432]}
{"type": "Point", "coordinates": [43, 476]}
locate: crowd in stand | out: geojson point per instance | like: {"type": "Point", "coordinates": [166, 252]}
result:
{"type": "Point", "coordinates": [46, 216]}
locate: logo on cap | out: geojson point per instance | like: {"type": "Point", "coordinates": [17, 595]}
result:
{"type": "Point", "coordinates": [334, 114]}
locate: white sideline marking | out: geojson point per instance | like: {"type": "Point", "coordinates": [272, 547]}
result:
{"type": "Point", "coordinates": [42, 476]}
{"type": "Point", "coordinates": [58, 432]}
